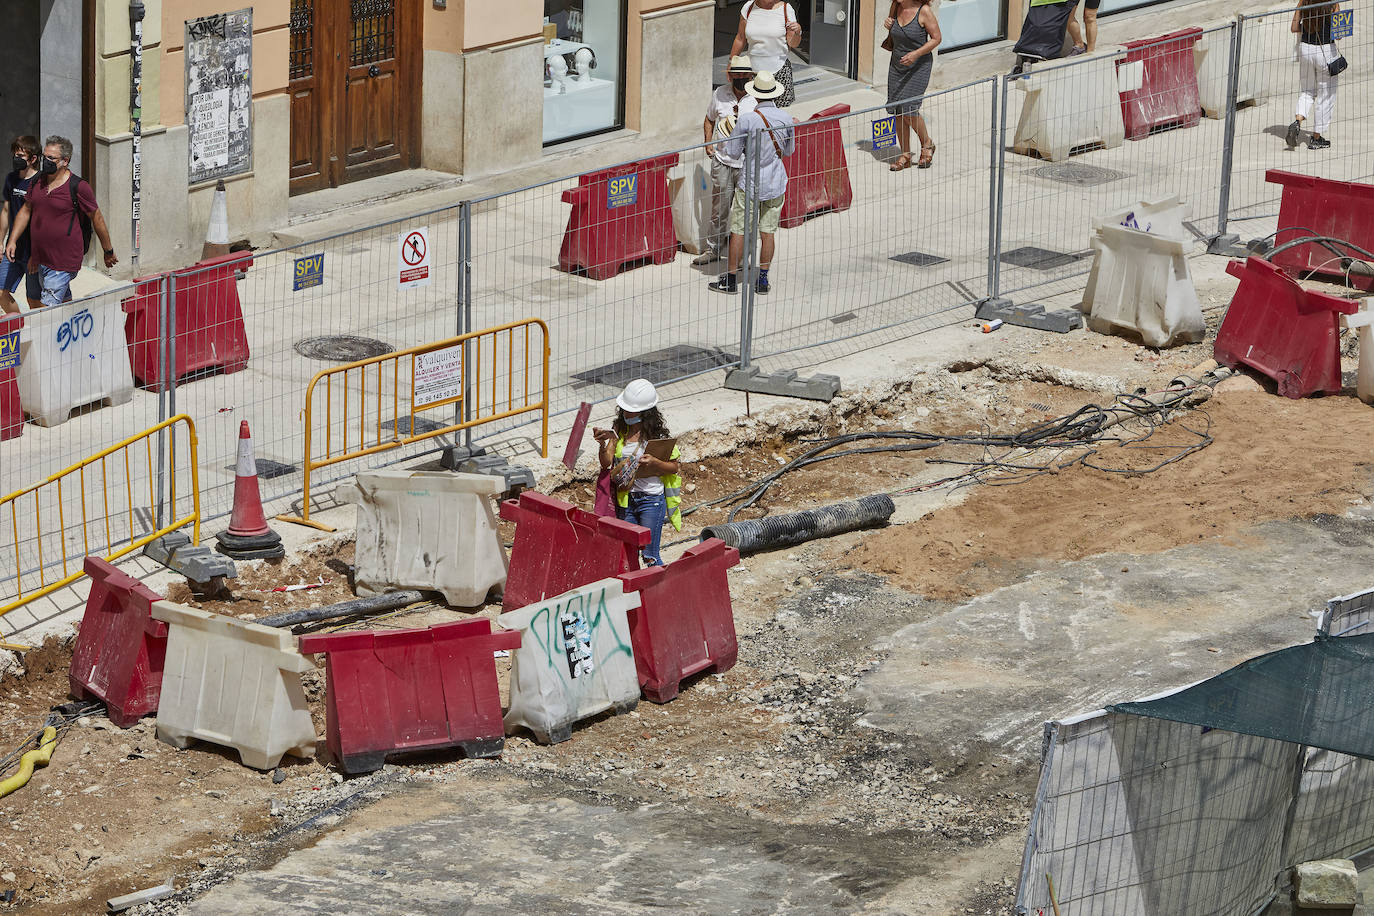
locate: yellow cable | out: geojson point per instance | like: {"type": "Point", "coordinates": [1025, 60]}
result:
{"type": "Point", "coordinates": [39, 757]}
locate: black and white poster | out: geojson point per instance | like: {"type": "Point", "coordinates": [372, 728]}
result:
{"type": "Point", "coordinates": [219, 95]}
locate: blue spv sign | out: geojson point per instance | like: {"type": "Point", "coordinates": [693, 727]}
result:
{"type": "Point", "coordinates": [309, 272]}
{"type": "Point", "coordinates": [622, 191]}
{"type": "Point", "coordinates": [885, 132]}
{"type": "Point", "coordinates": [1342, 24]}
{"type": "Point", "coordinates": [9, 350]}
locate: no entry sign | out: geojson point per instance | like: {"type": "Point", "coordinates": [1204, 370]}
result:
{"type": "Point", "coordinates": [412, 259]}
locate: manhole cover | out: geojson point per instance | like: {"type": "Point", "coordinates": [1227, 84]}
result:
{"type": "Point", "coordinates": [1078, 173]}
{"type": "Point", "coordinates": [657, 366]}
{"type": "Point", "coordinates": [1038, 258]}
{"type": "Point", "coordinates": [267, 468]}
{"type": "Point", "coordinates": [422, 425]}
{"type": "Point", "coordinates": [341, 348]}
{"type": "Point", "coordinates": [918, 259]}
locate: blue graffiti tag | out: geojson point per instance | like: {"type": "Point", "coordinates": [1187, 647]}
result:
{"type": "Point", "coordinates": [79, 326]}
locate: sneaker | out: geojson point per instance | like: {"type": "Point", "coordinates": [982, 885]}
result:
{"type": "Point", "coordinates": [726, 284]}
{"type": "Point", "coordinates": [763, 287]}
{"type": "Point", "coordinates": [1318, 143]}
{"type": "Point", "coordinates": [1078, 49]}
{"type": "Point", "coordinates": [706, 257]}
{"type": "Point", "coordinates": [1292, 136]}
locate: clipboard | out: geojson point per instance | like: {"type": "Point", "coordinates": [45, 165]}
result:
{"type": "Point", "coordinates": [662, 449]}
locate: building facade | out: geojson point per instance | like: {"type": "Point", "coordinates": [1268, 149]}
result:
{"type": "Point", "coordinates": [285, 97]}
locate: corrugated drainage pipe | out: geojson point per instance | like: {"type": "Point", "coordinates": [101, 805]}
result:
{"type": "Point", "coordinates": [799, 527]}
{"type": "Point", "coordinates": [386, 601]}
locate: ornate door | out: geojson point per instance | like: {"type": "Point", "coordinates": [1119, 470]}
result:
{"type": "Point", "coordinates": [309, 108]}
{"type": "Point", "coordinates": [354, 90]}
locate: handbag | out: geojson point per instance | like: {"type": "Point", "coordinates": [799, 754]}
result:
{"type": "Point", "coordinates": [604, 504]}
{"type": "Point", "coordinates": [1338, 65]}
{"type": "Point", "coordinates": [891, 14]}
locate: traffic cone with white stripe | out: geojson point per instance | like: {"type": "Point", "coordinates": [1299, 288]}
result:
{"type": "Point", "coordinates": [217, 233]}
{"type": "Point", "coordinates": [248, 537]}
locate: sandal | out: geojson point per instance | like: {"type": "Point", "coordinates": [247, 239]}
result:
{"type": "Point", "coordinates": [902, 162]}
{"type": "Point", "coordinates": [927, 157]}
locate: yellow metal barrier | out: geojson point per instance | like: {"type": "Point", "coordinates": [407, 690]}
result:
{"type": "Point", "coordinates": [425, 377]}
{"type": "Point", "coordinates": [28, 503]}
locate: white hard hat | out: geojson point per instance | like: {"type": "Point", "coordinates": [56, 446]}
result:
{"type": "Point", "coordinates": [638, 396]}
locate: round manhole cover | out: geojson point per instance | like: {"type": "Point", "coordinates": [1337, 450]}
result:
{"type": "Point", "coordinates": [1077, 173]}
{"type": "Point", "coordinates": [341, 348]}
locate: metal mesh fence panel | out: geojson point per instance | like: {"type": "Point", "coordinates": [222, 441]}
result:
{"type": "Point", "coordinates": [301, 310]}
{"type": "Point", "coordinates": [597, 257]}
{"type": "Point", "coordinates": [1139, 815]}
{"type": "Point", "coordinates": [1088, 138]}
{"type": "Point", "coordinates": [863, 249]}
{"type": "Point", "coordinates": [74, 382]}
{"type": "Point", "coordinates": [1274, 69]}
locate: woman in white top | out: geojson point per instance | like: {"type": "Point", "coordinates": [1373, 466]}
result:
{"type": "Point", "coordinates": [768, 29]}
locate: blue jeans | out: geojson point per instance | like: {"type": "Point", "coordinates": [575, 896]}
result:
{"type": "Point", "coordinates": [648, 510]}
{"type": "Point", "coordinates": [49, 286]}
{"type": "Point", "coordinates": [11, 273]}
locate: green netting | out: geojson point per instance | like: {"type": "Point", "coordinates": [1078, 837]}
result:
{"type": "Point", "coordinates": [1320, 694]}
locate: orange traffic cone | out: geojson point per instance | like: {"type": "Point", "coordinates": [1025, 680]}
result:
{"type": "Point", "coordinates": [248, 537]}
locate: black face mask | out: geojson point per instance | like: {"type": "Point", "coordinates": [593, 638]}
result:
{"type": "Point", "coordinates": [46, 166]}
{"type": "Point", "coordinates": [20, 163]}
{"type": "Point", "coordinates": [740, 83]}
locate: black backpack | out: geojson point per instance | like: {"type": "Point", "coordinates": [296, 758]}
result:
{"type": "Point", "coordinates": [79, 215]}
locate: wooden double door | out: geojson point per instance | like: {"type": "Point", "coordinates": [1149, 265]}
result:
{"type": "Point", "coordinates": [355, 84]}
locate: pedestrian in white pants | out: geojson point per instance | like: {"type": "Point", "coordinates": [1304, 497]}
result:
{"type": "Point", "coordinates": [1316, 51]}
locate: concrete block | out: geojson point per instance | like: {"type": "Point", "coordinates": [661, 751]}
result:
{"type": "Point", "coordinates": [1326, 884]}
{"type": "Point", "coordinates": [198, 563]}
{"type": "Point", "coordinates": [233, 683]}
{"type": "Point", "coordinates": [1060, 321]}
{"type": "Point", "coordinates": [785, 383]}
{"type": "Point", "coordinates": [72, 355]}
{"type": "Point", "coordinates": [429, 530]}
{"type": "Point", "coordinates": [516, 477]}
{"type": "Point", "coordinates": [574, 659]}
{"type": "Point", "coordinates": [120, 904]}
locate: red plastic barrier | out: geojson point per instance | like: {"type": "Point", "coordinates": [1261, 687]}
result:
{"type": "Point", "coordinates": [1341, 209]}
{"type": "Point", "coordinates": [684, 623]}
{"type": "Point", "coordinates": [120, 648]}
{"type": "Point", "coordinates": [559, 547]}
{"type": "Point", "coordinates": [817, 173]}
{"type": "Point", "coordinates": [11, 411]}
{"type": "Point", "coordinates": [406, 690]}
{"type": "Point", "coordinates": [1289, 333]}
{"type": "Point", "coordinates": [1168, 94]}
{"type": "Point", "coordinates": [209, 321]}
{"type": "Point", "coordinates": [619, 215]}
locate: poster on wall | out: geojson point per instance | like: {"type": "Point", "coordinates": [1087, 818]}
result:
{"type": "Point", "coordinates": [219, 95]}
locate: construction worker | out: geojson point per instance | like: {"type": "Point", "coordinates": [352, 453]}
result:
{"type": "Point", "coordinates": [642, 499]}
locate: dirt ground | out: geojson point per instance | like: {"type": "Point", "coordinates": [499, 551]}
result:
{"type": "Point", "coordinates": [118, 811]}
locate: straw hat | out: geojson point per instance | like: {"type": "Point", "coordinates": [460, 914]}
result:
{"type": "Point", "coordinates": [763, 86]}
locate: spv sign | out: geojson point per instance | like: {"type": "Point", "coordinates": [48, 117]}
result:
{"type": "Point", "coordinates": [622, 191]}
{"type": "Point", "coordinates": [9, 350]}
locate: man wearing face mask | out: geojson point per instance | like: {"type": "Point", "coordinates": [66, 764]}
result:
{"type": "Point", "coordinates": [727, 104]}
{"type": "Point", "coordinates": [55, 227]}
{"type": "Point", "coordinates": [25, 152]}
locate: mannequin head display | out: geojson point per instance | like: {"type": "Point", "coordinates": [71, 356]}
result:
{"type": "Point", "coordinates": [558, 73]}
{"type": "Point", "coordinates": [584, 61]}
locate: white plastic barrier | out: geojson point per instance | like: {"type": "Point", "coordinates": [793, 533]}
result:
{"type": "Point", "coordinates": [574, 659]}
{"type": "Point", "coordinates": [72, 355]}
{"type": "Point", "coordinates": [1363, 320]}
{"type": "Point", "coordinates": [427, 529]}
{"type": "Point", "coordinates": [689, 189]}
{"type": "Point", "coordinates": [233, 683]}
{"type": "Point", "coordinates": [1140, 283]}
{"type": "Point", "coordinates": [1070, 105]}
{"type": "Point", "coordinates": [1164, 217]}
{"type": "Point", "coordinates": [1211, 58]}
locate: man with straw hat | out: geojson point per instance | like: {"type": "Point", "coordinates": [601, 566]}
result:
{"type": "Point", "coordinates": [773, 140]}
{"type": "Point", "coordinates": [727, 104]}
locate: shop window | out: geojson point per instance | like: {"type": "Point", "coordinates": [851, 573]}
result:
{"type": "Point", "coordinates": [970, 22]}
{"type": "Point", "coordinates": [584, 78]}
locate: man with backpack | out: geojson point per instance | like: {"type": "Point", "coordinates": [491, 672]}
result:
{"type": "Point", "coordinates": [60, 214]}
